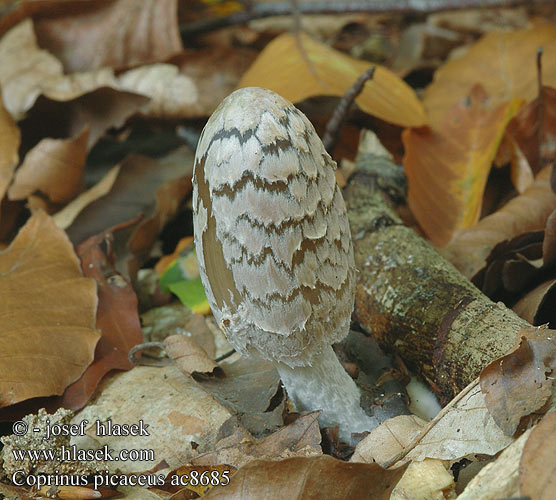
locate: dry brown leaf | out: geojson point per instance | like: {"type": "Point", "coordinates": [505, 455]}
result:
{"type": "Point", "coordinates": [189, 356]}
{"type": "Point", "coordinates": [92, 34]}
{"type": "Point", "coordinates": [9, 145]}
{"type": "Point", "coordinates": [65, 217]}
{"type": "Point", "coordinates": [537, 468]}
{"type": "Point", "coordinates": [503, 62]}
{"type": "Point", "coordinates": [533, 131]}
{"type": "Point", "coordinates": [447, 168]}
{"type": "Point", "coordinates": [549, 242]}
{"type": "Point", "coordinates": [99, 109]}
{"type": "Point", "coordinates": [54, 167]}
{"type": "Point", "coordinates": [169, 198]}
{"type": "Point", "coordinates": [282, 68]}
{"type": "Point", "coordinates": [172, 94]}
{"type": "Point", "coordinates": [47, 314]}
{"type": "Point", "coordinates": [199, 65]}
{"type": "Point", "coordinates": [538, 307]}
{"type": "Point", "coordinates": [183, 419]}
{"type": "Point", "coordinates": [528, 212]}
{"type": "Point", "coordinates": [28, 72]}
{"type": "Point", "coordinates": [300, 438]}
{"type": "Point", "coordinates": [134, 191]}
{"type": "Point", "coordinates": [308, 478]}
{"type": "Point", "coordinates": [520, 382]}
{"type": "Point", "coordinates": [117, 319]}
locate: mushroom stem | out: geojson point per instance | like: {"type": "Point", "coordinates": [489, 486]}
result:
{"type": "Point", "coordinates": [327, 386]}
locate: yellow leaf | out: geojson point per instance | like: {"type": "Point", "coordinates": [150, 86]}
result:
{"type": "Point", "coordinates": [503, 62]}
{"type": "Point", "coordinates": [283, 68]}
{"type": "Point", "coordinates": [447, 168]}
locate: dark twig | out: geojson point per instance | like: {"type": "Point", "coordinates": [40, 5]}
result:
{"type": "Point", "coordinates": [224, 356]}
{"type": "Point", "coordinates": [540, 113]}
{"type": "Point", "coordinates": [261, 10]}
{"type": "Point", "coordinates": [338, 117]}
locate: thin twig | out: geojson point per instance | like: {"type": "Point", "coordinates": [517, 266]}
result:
{"type": "Point", "coordinates": [261, 10]}
{"type": "Point", "coordinates": [224, 356]}
{"type": "Point", "coordinates": [540, 113]}
{"type": "Point", "coordinates": [339, 116]}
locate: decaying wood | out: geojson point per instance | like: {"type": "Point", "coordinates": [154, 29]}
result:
{"type": "Point", "coordinates": [414, 301]}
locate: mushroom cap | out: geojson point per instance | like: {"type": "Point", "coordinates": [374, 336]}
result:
{"type": "Point", "coordinates": [271, 229]}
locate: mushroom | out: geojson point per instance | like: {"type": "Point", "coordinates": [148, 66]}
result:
{"type": "Point", "coordinates": [275, 251]}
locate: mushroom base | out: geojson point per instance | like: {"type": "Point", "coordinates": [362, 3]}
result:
{"type": "Point", "coordinates": [326, 386]}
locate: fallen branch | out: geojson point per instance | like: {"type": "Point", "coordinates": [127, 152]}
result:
{"type": "Point", "coordinates": [262, 10]}
{"type": "Point", "coordinates": [413, 300]}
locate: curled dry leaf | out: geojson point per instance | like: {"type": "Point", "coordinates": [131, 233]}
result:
{"type": "Point", "coordinates": [527, 212]}
{"type": "Point", "coordinates": [538, 307]}
{"type": "Point", "coordinates": [503, 62]}
{"type": "Point", "coordinates": [33, 77]}
{"type": "Point", "coordinates": [537, 468]}
{"type": "Point", "coordinates": [188, 355]}
{"type": "Point", "coordinates": [92, 34]}
{"type": "Point", "coordinates": [312, 477]}
{"type": "Point", "coordinates": [9, 145]}
{"type": "Point", "coordinates": [172, 94]}
{"type": "Point", "coordinates": [521, 382]}
{"type": "Point", "coordinates": [533, 133]}
{"type": "Point", "coordinates": [28, 72]}
{"type": "Point", "coordinates": [54, 167]}
{"type": "Point", "coordinates": [47, 314]}
{"type": "Point", "coordinates": [281, 67]}
{"type": "Point", "coordinates": [447, 167]}
{"type": "Point", "coordinates": [512, 267]}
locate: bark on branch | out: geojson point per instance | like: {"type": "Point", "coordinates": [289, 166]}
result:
{"type": "Point", "coordinates": [414, 301]}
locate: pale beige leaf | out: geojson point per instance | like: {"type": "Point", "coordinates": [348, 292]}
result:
{"type": "Point", "coordinates": [388, 439]}
{"type": "Point", "coordinates": [28, 71]}
{"type": "Point", "coordinates": [183, 419]}
{"type": "Point", "coordinates": [9, 145]}
{"type": "Point", "coordinates": [427, 479]}
{"type": "Point", "coordinates": [172, 94]}
{"type": "Point", "coordinates": [47, 314]}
